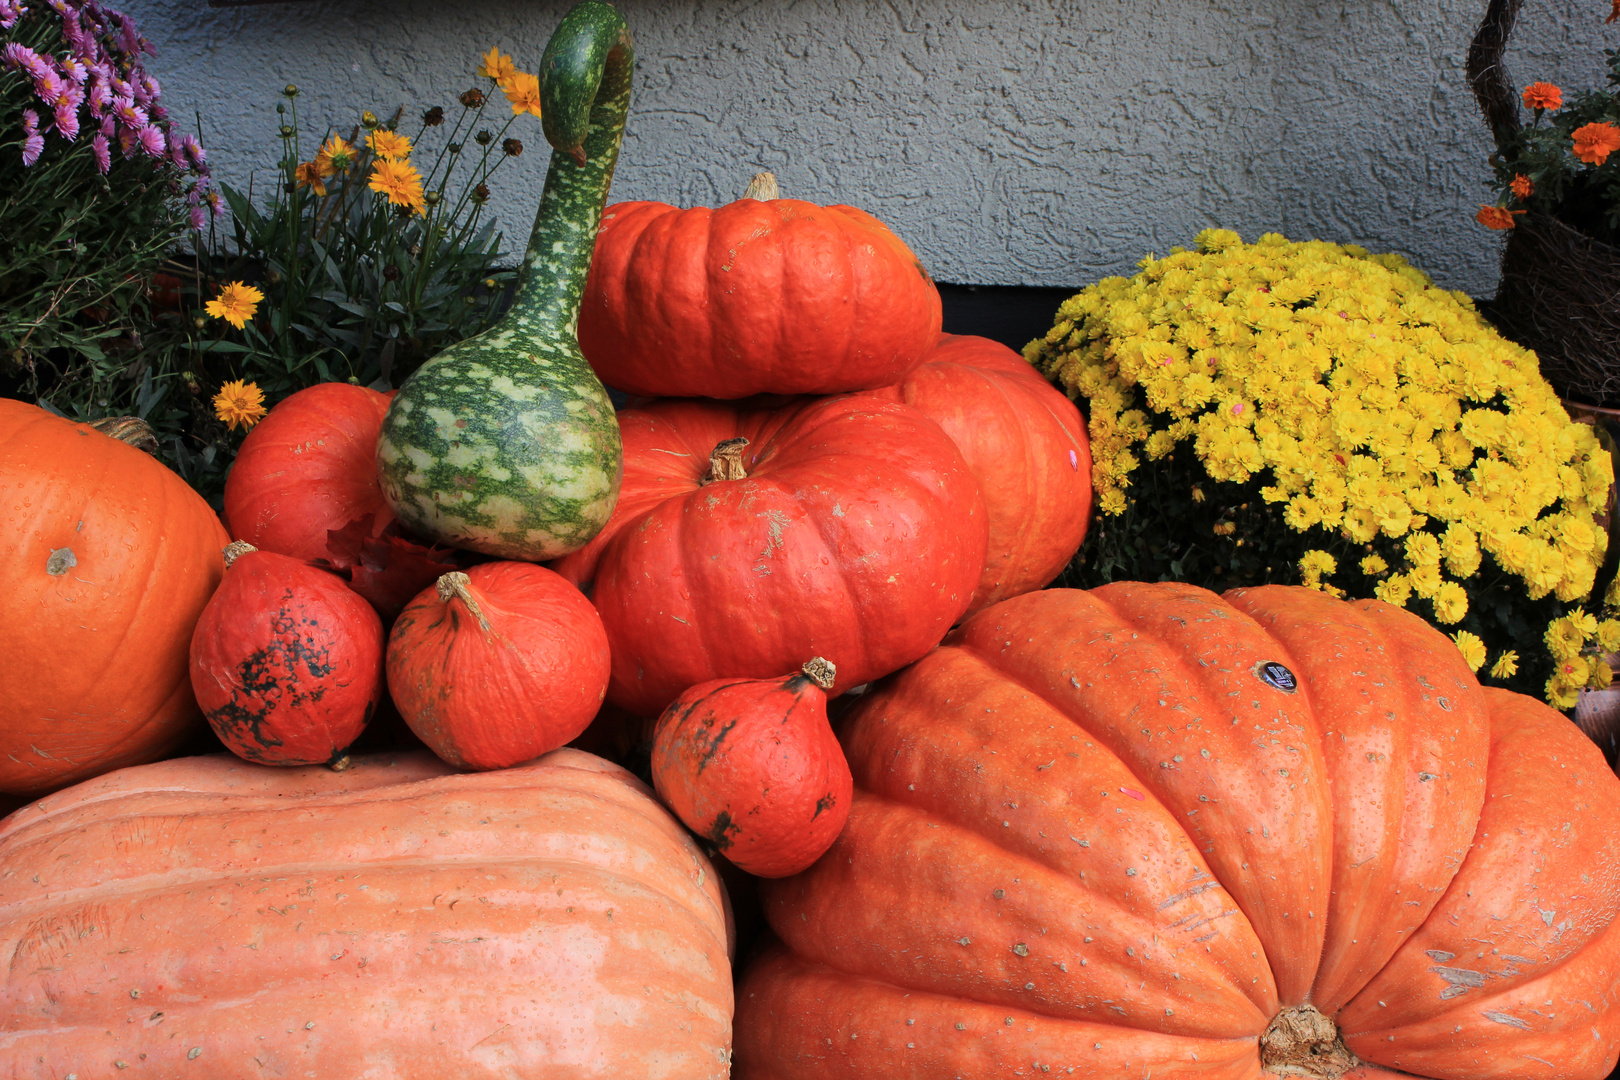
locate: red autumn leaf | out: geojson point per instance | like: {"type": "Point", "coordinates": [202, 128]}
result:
{"type": "Point", "coordinates": [387, 569]}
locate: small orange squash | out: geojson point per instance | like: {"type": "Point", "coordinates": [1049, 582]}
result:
{"type": "Point", "coordinates": [108, 560]}
{"type": "Point", "coordinates": [206, 916]}
{"type": "Point", "coordinates": [753, 766]}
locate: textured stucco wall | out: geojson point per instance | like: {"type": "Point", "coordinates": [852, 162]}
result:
{"type": "Point", "coordinates": [1031, 142]}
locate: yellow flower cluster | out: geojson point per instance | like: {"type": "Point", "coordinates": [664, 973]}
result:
{"type": "Point", "coordinates": [1366, 401]}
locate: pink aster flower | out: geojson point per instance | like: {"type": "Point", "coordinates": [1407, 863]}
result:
{"type": "Point", "coordinates": [61, 8]}
{"type": "Point", "coordinates": [66, 117]}
{"type": "Point", "coordinates": [109, 126]}
{"type": "Point", "coordinates": [157, 112]}
{"type": "Point", "coordinates": [98, 146]}
{"type": "Point", "coordinates": [127, 142]}
{"type": "Point", "coordinates": [10, 12]}
{"type": "Point", "coordinates": [22, 58]}
{"type": "Point", "coordinates": [30, 121]}
{"type": "Point", "coordinates": [152, 141]}
{"type": "Point", "coordinates": [101, 97]}
{"type": "Point", "coordinates": [74, 69]}
{"type": "Point", "coordinates": [129, 113]}
{"type": "Point", "coordinates": [33, 141]}
{"type": "Point", "coordinates": [146, 89]}
{"type": "Point", "coordinates": [194, 152]}
{"type": "Point", "coordinates": [49, 86]}
{"type": "Point", "coordinates": [120, 86]}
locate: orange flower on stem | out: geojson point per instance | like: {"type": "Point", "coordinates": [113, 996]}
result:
{"type": "Point", "coordinates": [1496, 217]}
{"type": "Point", "coordinates": [523, 91]}
{"type": "Point", "coordinates": [240, 403]}
{"type": "Point", "coordinates": [308, 174]}
{"type": "Point", "coordinates": [1543, 95]}
{"type": "Point", "coordinates": [1522, 187]}
{"type": "Point", "coordinates": [1595, 142]}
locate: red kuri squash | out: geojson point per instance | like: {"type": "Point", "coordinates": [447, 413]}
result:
{"type": "Point", "coordinates": [762, 296]}
{"type": "Point", "coordinates": [1026, 443]}
{"type": "Point", "coordinates": [753, 766]}
{"type": "Point", "coordinates": [208, 917]}
{"type": "Point", "coordinates": [109, 559]}
{"type": "Point", "coordinates": [308, 468]}
{"type": "Point", "coordinates": [1147, 829]}
{"type": "Point", "coordinates": [747, 538]}
{"type": "Point", "coordinates": [498, 665]}
{"type": "Point", "coordinates": [286, 661]}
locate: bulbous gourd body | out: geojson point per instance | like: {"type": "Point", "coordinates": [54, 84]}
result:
{"type": "Point", "coordinates": [506, 442]}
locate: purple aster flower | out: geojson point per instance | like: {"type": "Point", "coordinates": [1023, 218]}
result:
{"type": "Point", "coordinates": [215, 203]}
{"type": "Point", "coordinates": [66, 117]}
{"type": "Point", "coordinates": [108, 125]}
{"type": "Point", "coordinates": [121, 87]}
{"type": "Point", "coordinates": [127, 142]}
{"type": "Point", "coordinates": [61, 8]}
{"type": "Point", "coordinates": [199, 218]}
{"type": "Point", "coordinates": [152, 141]}
{"type": "Point", "coordinates": [194, 150]}
{"type": "Point", "coordinates": [157, 112]}
{"type": "Point", "coordinates": [50, 86]}
{"type": "Point", "coordinates": [22, 58]}
{"type": "Point", "coordinates": [101, 97]}
{"type": "Point", "coordinates": [10, 12]}
{"type": "Point", "coordinates": [129, 113]}
{"type": "Point", "coordinates": [98, 146]}
{"type": "Point", "coordinates": [75, 70]}
{"type": "Point", "coordinates": [30, 121]}
{"type": "Point", "coordinates": [128, 37]}
{"type": "Point", "coordinates": [33, 145]}
{"type": "Point", "coordinates": [146, 89]}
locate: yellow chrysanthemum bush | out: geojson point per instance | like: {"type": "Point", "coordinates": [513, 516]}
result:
{"type": "Point", "coordinates": [1310, 413]}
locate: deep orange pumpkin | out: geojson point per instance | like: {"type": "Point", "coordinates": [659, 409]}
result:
{"type": "Point", "coordinates": [109, 559]}
{"type": "Point", "coordinates": [309, 467]}
{"type": "Point", "coordinates": [1026, 443]}
{"type": "Point", "coordinates": [209, 917]}
{"type": "Point", "coordinates": [498, 665]}
{"type": "Point", "coordinates": [842, 527]}
{"type": "Point", "coordinates": [772, 295]}
{"type": "Point", "coordinates": [753, 766]}
{"type": "Point", "coordinates": [1146, 828]}
{"type": "Point", "coordinates": [286, 660]}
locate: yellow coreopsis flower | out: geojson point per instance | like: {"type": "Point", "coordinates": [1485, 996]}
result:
{"type": "Point", "coordinates": [235, 304]}
{"type": "Point", "coordinates": [240, 404]}
{"type": "Point", "coordinates": [335, 156]}
{"type": "Point", "coordinates": [389, 145]}
{"type": "Point", "coordinates": [497, 65]}
{"type": "Point", "coordinates": [523, 91]}
{"type": "Point", "coordinates": [400, 181]}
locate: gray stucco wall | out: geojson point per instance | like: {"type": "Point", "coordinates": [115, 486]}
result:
{"type": "Point", "coordinates": [1036, 142]}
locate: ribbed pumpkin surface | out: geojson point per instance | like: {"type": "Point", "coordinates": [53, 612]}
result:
{"type": "Point", "coordinates": [1097, 835]}
{"type": "Point", "coordinates": [208, 917]}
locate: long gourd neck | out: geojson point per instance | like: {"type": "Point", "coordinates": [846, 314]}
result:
{"type": "Point", "coordinates": [585, 95]}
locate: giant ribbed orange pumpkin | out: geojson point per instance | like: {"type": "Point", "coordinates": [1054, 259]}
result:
{"type": "Point", "coordinates": [763, 295]}
{"type": "Point", "coordinates": [1026, 443]}
{"type": "Point", "coordinates": [748, 538]}
{"type": "Point", "coordinates": [107, 561]}
{"type": "Point", "coordinates": [1146, 829]}
{"type": "Point", "coordinates": [208, 917]}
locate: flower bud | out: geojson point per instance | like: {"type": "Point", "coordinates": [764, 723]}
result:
{"type": "Point", "coordinates": [281, 106]}
{"type": "Point", "coordinates": [480, 194]}
{"type": "Point", "coordinates": [454, 148]}
{"type": "Point", "coordinates": [483, 137]}
{"type": "Point", "coordinates": [289, 91]}
{"type": "Point", "coordinates": [368, 120]}
{"type": "Point", "coordinates": [286, 131]}
{"type": "Point", "coordinates": [432, 198]}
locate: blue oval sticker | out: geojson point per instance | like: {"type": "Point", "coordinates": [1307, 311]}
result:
{"type": "Point", "coordinates": [1274, 674]}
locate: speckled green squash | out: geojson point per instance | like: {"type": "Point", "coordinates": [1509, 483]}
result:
{"type": "Point", "coordinates": [506, 442]}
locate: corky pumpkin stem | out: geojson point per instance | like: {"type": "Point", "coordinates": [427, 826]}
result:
{"type": "Point", "coordinates": [235, 550]}
{"type": "Point", "coordinates": [725, 461]}
{"type": "Point", "coordinates": [820, 671]}
{"type": "Point", "coordinates": [763, 187]}
{"type": "Point", "coordinates": [1300, 1041]}
{"type": "Point", "coordinates": [459, 585]}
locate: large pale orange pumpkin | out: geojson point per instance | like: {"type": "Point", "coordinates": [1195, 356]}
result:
{"type": "Point", "coordinates": [209, 917]}
{"type": "Point", "coordinates": [1148, 830]}
{"type": "Point", "coordinates": [108, 560]}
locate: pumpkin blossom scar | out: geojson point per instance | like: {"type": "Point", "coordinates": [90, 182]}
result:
{"type": "Point", "coordinates": [235, 304]}
{"type": "Point", "coordinates": [240, 403]}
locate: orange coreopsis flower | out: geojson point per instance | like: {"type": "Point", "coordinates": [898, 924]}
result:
{"type": "Point", "coordinates": [1595, 142]}
{"type": "Point", "coordinates": [1522, 187]}
{"type": "Point", "coordinates": [235, 304]}
{"type": "Point", "coordinates": [308, 174]}
{"type": "Point", "coordinates": [240, 403]}
{"type": "Point", "coordinates": [523, 91]}
{"type": "Point", "coordinates": [1543, 95]}
{"type": "Point", "coordinates": [389, 145]}
{"type": "Point", "coordinates": [498, 66]}
{"type": "Point", "coordinates": [399, 181]}
{"type": "Point", "coordinates": [1496, 217]}
{"type": "Point", "coordinates": [335, 156]}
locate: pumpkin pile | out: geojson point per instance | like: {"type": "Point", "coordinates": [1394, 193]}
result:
{"type": "Point", "coordinates": [1142, 830]}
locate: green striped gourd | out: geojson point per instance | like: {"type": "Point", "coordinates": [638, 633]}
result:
{"type": "Point", "coordinates": [506, 442]}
